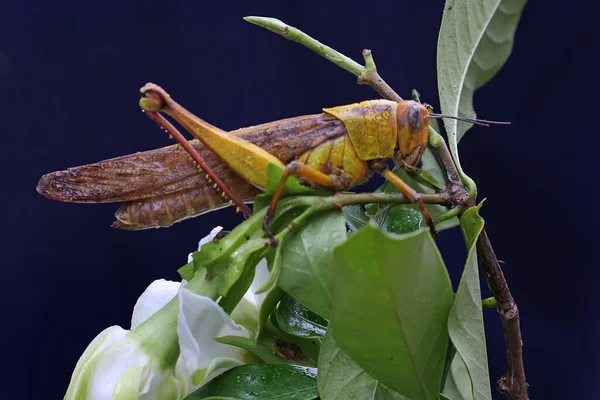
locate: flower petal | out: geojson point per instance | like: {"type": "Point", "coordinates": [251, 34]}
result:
{"type": "Point", "coordinates": [261, 275]}
{"type": "Point", "coordinates": [85, 370]}
{"type": "Point", "coordinates": [159, 293]}
{"type": "Point", "coordinates": [200, 321]}
{"type": "Point", "coordinates": [119, 373]}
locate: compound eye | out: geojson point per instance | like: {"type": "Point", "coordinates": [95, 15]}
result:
{"type": "Point", "coordinates": [415, 118]}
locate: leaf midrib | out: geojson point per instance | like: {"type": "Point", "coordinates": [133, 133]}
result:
{"type": "Point", "coordinates": [413, 361]}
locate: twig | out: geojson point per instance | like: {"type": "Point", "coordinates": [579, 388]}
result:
{"type": "Point", "coordinates": [366, 75]}
{"type": "Point", "coordinates": [347, 199]}
{"type": "Point", "coordinates": [513, 384]}
{"type": "Point", "coordinates": [370, 77]}
{"type": "Point", "coordinates": [454, 186]}
{"type": "Point", "coordinates": [489, 302]}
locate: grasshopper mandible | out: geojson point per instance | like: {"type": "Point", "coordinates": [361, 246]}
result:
{"type": "Point", "coordinates": [335, 150]}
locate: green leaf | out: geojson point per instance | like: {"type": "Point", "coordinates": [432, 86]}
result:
{"type": "Point", "coordinates": [403, 220]}
{"type": "Point", "coordinates": [261, 201]}
{"type": "Point", "coordinates": [250, 345]}
{"type": "Point", "coordinates": [187, 271]}
{"type": "Point", "coordinates": [424, 178]}
{"type": "Point", "coordinates": [291, 349]}
{"type": "Point", "coordinates": [465, 321]}
{"type": "Point", "coordinates": [306, 261]}
{"type": "Point", "coordinates": [237, 275]}
{"type": "Point", "coordinates": [217, 363]}
{"type": "Point", "coordinates": [430, 165]}
{"type": "Point", "coordinates": [475, 40]}
{"type": "Point", "coordinates": [261, 381]}
{"type": "Point", "coordinates": [297, 320]}
{"type": "Point", "coordinates": [398, 288]}
{"type": "Point", "coordinates": [268, 306]}
{"type": "Point", "coordinates": [340, 378]}
{"type": "Point", "coordinates": [228, 265]}
{"type": "Point", "coordinates": [216, 255]}
{"type": "Point", "coordinates": [416, 96]}
{"type": "Point", "coordinates": [458, 384]}
{"type": "Point", "coordinates": [449, 357]}
{"type": "Point", "coordinates": [275, 271]}
{"type": "Point", "coordinates": [434, 125]}
{"type": "Point", "coordinates": [292, 185]}
{"type": "Point", "coordinates": [355, 217]}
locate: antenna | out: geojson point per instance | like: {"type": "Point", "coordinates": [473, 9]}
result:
{"type": "Point", "coordinates": [476, 121]}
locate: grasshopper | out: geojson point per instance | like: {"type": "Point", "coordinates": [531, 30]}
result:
{"type": "Point", "coordinates": [335, 150]}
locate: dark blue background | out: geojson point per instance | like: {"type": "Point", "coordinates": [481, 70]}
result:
{"type": "Point", "coordinates": [69, 78]}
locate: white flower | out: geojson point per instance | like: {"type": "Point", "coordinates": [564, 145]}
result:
{"type": "Point", "coordinates": [121, 364]}
{"type": "Point", "coordinates": [116, 367]}
{"type": "Point", "coordinates": [261, 275]}
{"type": "Point", "coordinates": [170, 350]}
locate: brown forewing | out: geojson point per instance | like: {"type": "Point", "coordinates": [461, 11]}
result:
{"type": "Point", "coordinates": [163, 186]}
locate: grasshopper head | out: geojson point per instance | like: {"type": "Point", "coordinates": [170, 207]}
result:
{"type": "Point", "coordinates": [413, 132]}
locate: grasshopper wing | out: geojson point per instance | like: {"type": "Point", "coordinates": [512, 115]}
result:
{"type": "Point", "coordinates": [163, 186]}
{"type": "Point", "coordinates": [159, 187]}
{"type": "Point", "coordinates": [133, 177]}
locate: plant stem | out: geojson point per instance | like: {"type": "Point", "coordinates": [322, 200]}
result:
{"type": "Point", "coordinates": [440, 149]}
{"type": "Point", "coordinates": [370, 77]}
{"type": "Point", "coordinates": [489, 302]}
{"type": "Point", "coordinates": [453, 212]}
{"type": "Point", "coordinates": [296, 35]}
{"type": "Point", "coordinates": [342, 200]}
{"type": "Point", "coordinates": [454, 185]}
{"type": "Point", "coordinates": [366, 75]}
{"type": "Point", "coordinates": [513, 384]}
